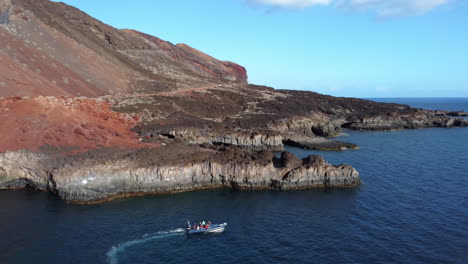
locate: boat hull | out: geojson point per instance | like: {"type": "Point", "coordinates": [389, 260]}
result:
{"type": "Point", "coordinates": [215, 228]}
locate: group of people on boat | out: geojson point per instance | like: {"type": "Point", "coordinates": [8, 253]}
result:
{"type": "Point", "coordinates": [199, 226]}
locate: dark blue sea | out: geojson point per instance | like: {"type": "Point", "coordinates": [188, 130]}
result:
{"type": "Point", "coordinates": [411, 208]}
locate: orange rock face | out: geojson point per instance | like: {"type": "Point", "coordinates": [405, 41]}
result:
{"type": "Point", "coordinates": [83, 124]}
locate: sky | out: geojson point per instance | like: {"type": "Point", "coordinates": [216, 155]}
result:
{"type": "Point", "coordinates": [352, 48]}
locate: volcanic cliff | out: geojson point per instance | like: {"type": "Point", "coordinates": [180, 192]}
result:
{"type": "Point", "coordinates": [90, 112]}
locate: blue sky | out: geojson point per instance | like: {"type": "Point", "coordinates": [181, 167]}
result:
{"type": "Point", "coordinates": [357, 48]}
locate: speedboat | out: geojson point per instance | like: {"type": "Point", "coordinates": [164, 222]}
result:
{"type": "Point", "coordinates": [213, 228]}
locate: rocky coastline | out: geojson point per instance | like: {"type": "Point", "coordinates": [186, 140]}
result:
{"type": "Point", "coordinates": [95, 180]}
{"type": "Point", "coordinates": [189, 159]}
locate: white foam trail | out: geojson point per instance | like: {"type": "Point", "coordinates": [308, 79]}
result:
{"type": "Point", "coordinates": [112, 255]}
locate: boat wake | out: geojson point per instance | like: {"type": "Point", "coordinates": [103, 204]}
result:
{"type": "Point", "coordinates": [113, 254]}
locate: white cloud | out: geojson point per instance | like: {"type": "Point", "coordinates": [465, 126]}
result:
{"type": "Point", "coordinates": [293, 3]}
{"type": "Point", "coordinates": [382, 8]}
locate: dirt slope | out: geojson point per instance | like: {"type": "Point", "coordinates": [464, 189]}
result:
{"type": "Point", "coordinates": [77, 124]}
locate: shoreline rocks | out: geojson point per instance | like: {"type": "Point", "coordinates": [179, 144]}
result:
{"type": "Point", "coordinates": [90, 181]}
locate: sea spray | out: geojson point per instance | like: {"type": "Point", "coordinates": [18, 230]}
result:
{"type": "Point", "coordinates": [112, 255]}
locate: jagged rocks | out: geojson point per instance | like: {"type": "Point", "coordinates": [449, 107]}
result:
{"type": "Point", "coordinates": [313, 160]}
{"type": "Point", "coordinates": [289, 160]}
{"type": "Point", "coordinates": [21, 169]}
{"type": "Point", "coordinates": [318, 143]}
{"type": "Point", "coordinates": [321, 176]}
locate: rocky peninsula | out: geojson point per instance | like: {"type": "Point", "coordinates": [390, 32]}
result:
{"type": "Point", "coordinates": [90, 113]}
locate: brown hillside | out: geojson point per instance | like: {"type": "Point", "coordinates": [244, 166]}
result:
{"type": "Point", "coordinates": [55, 49]}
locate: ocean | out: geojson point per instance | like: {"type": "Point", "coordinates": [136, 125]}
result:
{"type": "Point", "coordinates": [411, 208]}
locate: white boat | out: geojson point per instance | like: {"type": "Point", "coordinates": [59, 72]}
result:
{"type": "Point", "coordinates": [213, 228]}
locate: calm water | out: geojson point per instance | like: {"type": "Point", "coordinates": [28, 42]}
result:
{"type": "Point", "coordinates": [450, 104]}
{"type": "Point", "coordinates": [412, 208]}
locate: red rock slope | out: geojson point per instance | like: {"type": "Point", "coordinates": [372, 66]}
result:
{"type": "Point", "coordinates": [83, 124]}
{"type": "Point", "coordinates": [50, 48]}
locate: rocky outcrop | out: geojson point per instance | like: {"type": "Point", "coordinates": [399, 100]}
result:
{"type": "Point", "coordinates": [89, 181]}
{"type": "Point", "coordinates": [394, 121]}
{"type": "Point", "coordinates": [318, 143]}
{"type": "Point", "coordinates": [313, 124]}
{"type": "Point", "coordinates": [21, 169]}
{"type": "Point", "coordinates": [260, 140]}
{"type": "Point", "coordinates": [455, 113]}
{"type": "Point", "coordinates": [246, 139]}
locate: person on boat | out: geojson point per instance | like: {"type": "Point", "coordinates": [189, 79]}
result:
{"type": "Point", "coordinates": [203, 223]}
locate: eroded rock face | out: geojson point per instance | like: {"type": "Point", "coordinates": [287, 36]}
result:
{"type": "Point", "coordinates": [289, 160]}
{"type": "Point", "coordinates": [246, 139]}
{"type": "Point", "coordinates": [21, 169]}
{"type": "Point", "coordinates": [312, 124]}
{"type": "Point", "coordinates": [100, 183]}
{"type": "Point", "coordinates": [89, 181]}
{"type": "Point", "coordinates": [318, 143]}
